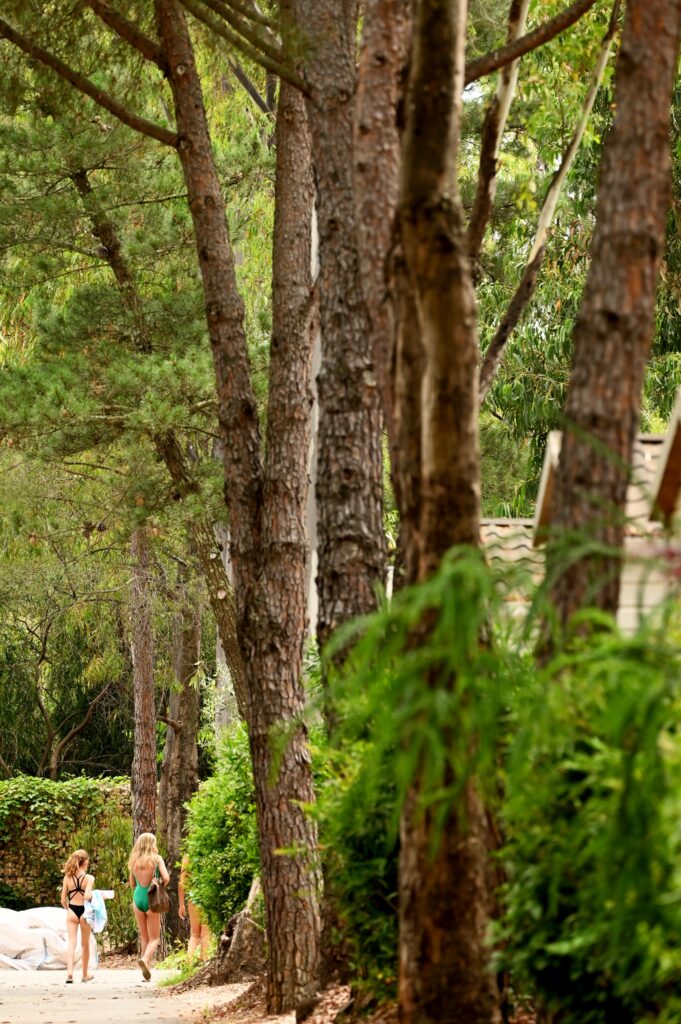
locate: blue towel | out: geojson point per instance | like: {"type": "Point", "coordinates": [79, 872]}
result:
{"type": "Point", "coordinates": [95, 912]}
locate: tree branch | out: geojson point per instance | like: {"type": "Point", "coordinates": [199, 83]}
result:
{"type": "Point", "coordinates": [264, 40]}
{"type": "Point", "coordinates": [129, 32]}
{"type": "Point", "coordinates": [528, 282]}
{"type": "Point", "coordinates": [254, 53]}
{"type": "Point", "coordinates": [77, 729]}
{"type": "Point", "coordinates": [175, 726]}
{"type": "Point", "coordinates": [485, 65]}
{"type": "Point", "coordinates": [492, 135]}
{"type": "Point", "coordinates": [84, 85]}
{"type": "Point", "coordinates": [250, 11]}
{"type": "Point", "coordinates": [245, 81]}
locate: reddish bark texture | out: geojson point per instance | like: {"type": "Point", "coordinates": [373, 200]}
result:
{"type": "Point", "coordinates": [180, 770]}
{"type": "Point", "coordinates": [382, 65]}
{"type": "Point", "coordinates": [266, 502]}
{"type": "Point", "coordinates": [273, 644]}
{"type": "Point", "coordinates": [351, 541]}
{"type": "Point", "coordinates": [444, 899]}
{"type": "Point", "coordinates": [143, 775]}
{"type": "Point", "coordinates": [614, 330]}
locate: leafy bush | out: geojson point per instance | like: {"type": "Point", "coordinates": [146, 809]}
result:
{"type": "Point", "coordinates": [397, 704]}
{"type": "Point", "coordinates": [222, 842]}
{"type": "Point", "coordinates": [593, 834]}
{"type": "Point", "coordinates": [109, 843]}
{"type": "Point", "coordinates": [359, 853]}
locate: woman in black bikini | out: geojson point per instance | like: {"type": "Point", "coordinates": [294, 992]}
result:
{"type": "Point", "coordinates": [75, 892]}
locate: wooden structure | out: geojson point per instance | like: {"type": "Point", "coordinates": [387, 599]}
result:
{"type": "Point", "coordinates": [653, 499]}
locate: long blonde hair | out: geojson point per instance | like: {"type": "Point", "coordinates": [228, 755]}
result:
{"type": "Point", "coordinates": [144, 852]}
{"type": "Point", "coordinates": [76, 861]}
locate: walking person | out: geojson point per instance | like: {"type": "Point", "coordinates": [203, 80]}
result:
{"type": "Point", "coordinates": [146, 863]}
{"type": "Point", "coordinates": [200, 934]}
{"type": "Point", "coordinates": [76, 890]}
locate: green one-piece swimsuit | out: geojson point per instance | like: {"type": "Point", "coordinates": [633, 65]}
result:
{"type": "Point", "coordinates": [140, 896]}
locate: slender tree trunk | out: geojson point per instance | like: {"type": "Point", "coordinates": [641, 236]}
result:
{"type": "Point", "coordinates": [351, 550]}
{"type": "Point", "coordinates": [443, 894]}
{"type": "Point", "coordinates": [280, 599]}
{"type": "Point", "coordinates": [266, 504]}
{"type": "Point", "coordinates": [180, 770]}
{"type": "Point", "coordinates": [143, 776]}
{"type": "Point", "coordinates": [382, 63]}
{"type": "Point", "coordinates": [613, 333]}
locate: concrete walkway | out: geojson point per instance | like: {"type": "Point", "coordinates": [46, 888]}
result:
{"type": "Point", "coordinates": [113, 997]}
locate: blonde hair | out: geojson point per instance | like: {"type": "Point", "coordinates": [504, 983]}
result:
{"type": "Point", "coordinates": [144, 852]}
{"type": "Point", "coordinates": [75, 861]}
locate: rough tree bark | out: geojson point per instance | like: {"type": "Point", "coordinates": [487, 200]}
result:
{"type": "Point", "coordinates": [274, 643]}
{"type": "Point", "coordinates": [443, 894]}
{"type": "Point", "coordinates": [351, 549]}
{"type": "Point", "coordinates": [143, 775]}
{"type": "Point", "coordinates": [180, 769]}
{"type": "Point", "coordinates": [266, 503]}
{"type": "Point", "coordinates": [382, 63]}
{"type": "Point", "coordinates": [613, 333]}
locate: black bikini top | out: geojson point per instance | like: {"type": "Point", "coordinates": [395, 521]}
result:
{"type": "Point", "coordinates": [78, 887]}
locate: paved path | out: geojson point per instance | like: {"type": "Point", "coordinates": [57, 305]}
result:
{"type": "Point", "coordinates": [113, 997]}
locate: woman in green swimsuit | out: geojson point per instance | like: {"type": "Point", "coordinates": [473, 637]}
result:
{"type": "Point", "coordinates": [145, 862]}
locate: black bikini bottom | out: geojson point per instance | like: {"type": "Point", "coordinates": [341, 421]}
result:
{"type": "Point", "coordinates": [78, 911]}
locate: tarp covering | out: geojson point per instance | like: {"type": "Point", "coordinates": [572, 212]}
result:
{"type": "Point", "coordinates": [36, 940]}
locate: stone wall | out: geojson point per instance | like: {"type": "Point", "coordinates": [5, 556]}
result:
{"type": "Point", "coordinates": [37, 832]}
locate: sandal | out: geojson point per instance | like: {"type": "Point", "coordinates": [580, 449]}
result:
{"type": "Point", "coordinates": [146, 973]}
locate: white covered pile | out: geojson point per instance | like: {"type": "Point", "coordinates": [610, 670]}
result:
{"type": "Point", "coordinates": [35, 940]}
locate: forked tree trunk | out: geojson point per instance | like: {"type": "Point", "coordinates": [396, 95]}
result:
{"type": "Point", "coordinates": [143, 776]}
{"type": "Point", "coordinates": [266, 503]}
{"type": "Point", "coordinates": [613, 333]}
{"type": "Point", "coordinates": [274, 646]}
{"type": "Point", "coordinates": [443, 896]}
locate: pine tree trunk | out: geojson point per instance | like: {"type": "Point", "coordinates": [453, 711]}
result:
{"type": "Point", "coordinates": [351, 541]}
{"type": "Point", "coordinates": [143, 776]}
{"type": "Point", "coordinates": [443, 894]}
{"type": "Point", "coordinates": [266, 503]}
{"type": "Point", "coordinates": [180, 770]}
{"type": "Point", "coordinates": [383, 57]}
{"type": "Point", "coordinates": [614, 330]}
{"type": "Point", "coordinates": [280, 599]}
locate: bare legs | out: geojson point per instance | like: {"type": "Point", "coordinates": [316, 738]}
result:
{"type": "Point", "coordinates": [200, 934]}
{"type": "Point", "coordinates": [85, 933]}
{"type": "Point", "coordinates": [73, 924]}
{"type": "Point", "coordinates": [72, 928]}
{"type": "Point", "coordinates": [150, 933]}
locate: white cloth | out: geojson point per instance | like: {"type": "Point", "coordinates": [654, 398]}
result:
{"type": "Point", "coordinates": [36, 940]}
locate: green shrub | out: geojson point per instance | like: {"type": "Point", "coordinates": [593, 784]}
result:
{"type": "Point", "coordinates": [222, 841]}
{"type": "Point", "coordinates": [359, 852]}
{"type": "Point", "coordinates": [109, 843]}
{"type": "Point", "coordinates": [43, 821]}
{"type": "Point", "coordinates": [593, 832]}
{"type": "Point", "coordinates": [397, 704]}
